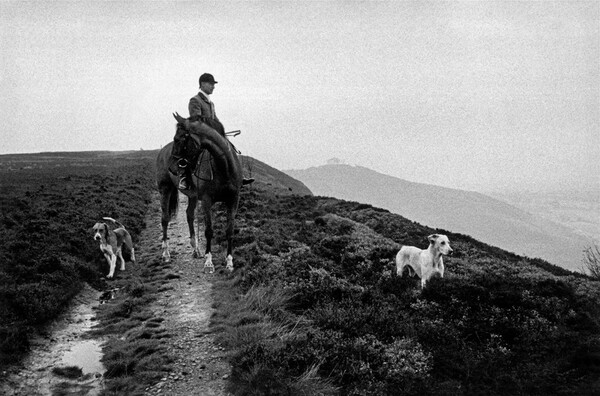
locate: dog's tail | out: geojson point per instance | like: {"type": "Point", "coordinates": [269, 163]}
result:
{"type": "Point", "coordinates": [114, 221]}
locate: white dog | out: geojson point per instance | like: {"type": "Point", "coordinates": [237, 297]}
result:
{"type": "Point", "coordinates": [424, 263]}
{"type": "Point", "coordinates": [111, 243]}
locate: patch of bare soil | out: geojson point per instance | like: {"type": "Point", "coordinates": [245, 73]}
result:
{"type": "Point", "coordinates": [186, 306]}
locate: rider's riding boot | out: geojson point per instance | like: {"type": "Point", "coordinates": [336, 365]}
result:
{"type": "Point", "coordinates": [247, 181]}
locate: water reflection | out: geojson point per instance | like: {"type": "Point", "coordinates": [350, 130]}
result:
{"type": "Point", "coordinates": [85, 354]}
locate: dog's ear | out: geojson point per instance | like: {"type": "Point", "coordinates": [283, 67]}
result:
{"type": "Point", "coordinates": [431, 238]}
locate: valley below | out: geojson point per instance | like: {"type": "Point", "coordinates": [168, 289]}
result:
{"type": "Point", "coordinates": [578, 210]}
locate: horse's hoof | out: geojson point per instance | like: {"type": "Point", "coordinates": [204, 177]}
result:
{"type": "Point", "coordinates": [196, 254]}
{"type": "Point", "coordinates": [209, 269]}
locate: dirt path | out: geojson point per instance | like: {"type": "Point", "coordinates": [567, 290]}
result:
{"type": "Point", "coordinates": [201, 368]}
{"type": "Point", "coordinates": [185, 305]}
{"type": "Point", "coordinates": [63, 342]}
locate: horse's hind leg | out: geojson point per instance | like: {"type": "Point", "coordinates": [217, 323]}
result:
{"type": "Point", "coordinates": [190, 215]}
{"type": "Point", "coordinates": [208, 234]}
{"type": "Point", "coordinates": [231, 212]}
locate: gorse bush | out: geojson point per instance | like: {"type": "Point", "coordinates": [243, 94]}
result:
{"type": "Point", "coordinates": [496, 324]}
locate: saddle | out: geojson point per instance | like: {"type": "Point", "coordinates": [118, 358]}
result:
{"type": "Point", "coordinates": [200, 163]}
{"type": "Point", "coordinates": [204, 167]}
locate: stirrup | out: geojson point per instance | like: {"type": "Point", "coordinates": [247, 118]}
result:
{"type": "Point", "coordinates": [183, 184]}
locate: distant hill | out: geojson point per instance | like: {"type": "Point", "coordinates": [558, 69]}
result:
{"type": "Point", "coordinates": [484, 218]}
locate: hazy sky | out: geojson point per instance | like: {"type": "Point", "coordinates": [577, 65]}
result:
{"type": "Point", "coordinates": [471, 95]}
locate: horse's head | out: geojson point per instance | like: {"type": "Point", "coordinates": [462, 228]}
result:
{"type": "Point", "coordinates": [184, 145]}
{"type": "Point", "coordinates": [180, 120]}
{"type": "Point", "coordinates": [182, 123]}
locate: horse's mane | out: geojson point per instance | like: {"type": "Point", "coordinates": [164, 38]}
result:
{"type": "Point", "coordinates": [203, 135]}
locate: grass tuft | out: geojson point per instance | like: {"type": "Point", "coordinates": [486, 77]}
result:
{"type": "Point", "coordinates": [310, 383]}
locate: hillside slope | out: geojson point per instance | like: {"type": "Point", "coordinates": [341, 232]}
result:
{"type": "Point", "coordinates": [315, 307]}
{"type": "Point", "coordinates": [471, 213]}
{"type": "Point", "coordinates": [268, 177]}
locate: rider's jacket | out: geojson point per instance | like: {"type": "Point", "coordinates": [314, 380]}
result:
{"type": "Point", "coordinates": [202, 108]}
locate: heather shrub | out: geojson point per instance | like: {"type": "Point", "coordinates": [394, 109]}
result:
{"type": "Point", "coordinates": [496, 324]}
{"type": "Point", "coordinates": [47, 252]}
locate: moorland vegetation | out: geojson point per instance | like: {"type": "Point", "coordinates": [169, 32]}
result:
{"type": "Point", "coordinates": [314, 305]}
{"type": "Point", "coordinates": [316, 308]}
{"type": "Point", "coordinates": [50, 202]}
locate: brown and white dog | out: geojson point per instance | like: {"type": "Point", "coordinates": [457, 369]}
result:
{"type": "Point", "coordinates": [111, 243]}
{"type": "Point", "coordinates": [424, 263]}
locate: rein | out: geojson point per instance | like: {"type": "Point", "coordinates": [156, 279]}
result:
{"type": "Point", "coordinates": [229, 146]}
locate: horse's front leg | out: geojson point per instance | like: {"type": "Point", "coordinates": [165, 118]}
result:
{"type": "Point", "coordinates": [190, 216]}
{"type": "Point", "coordinates": [231, 212]}
{"type": "Point", "coordinates": [208, 234]}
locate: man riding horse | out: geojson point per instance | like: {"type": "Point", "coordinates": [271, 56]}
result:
{"type": "Point", "coordinates": [202, 109]}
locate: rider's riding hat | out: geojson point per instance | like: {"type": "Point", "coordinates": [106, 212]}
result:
{"type": "Point", "coordinates": [206, 77]}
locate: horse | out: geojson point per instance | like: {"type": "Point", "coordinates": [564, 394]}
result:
{"type": "Point", "coordinates": [224, 187]}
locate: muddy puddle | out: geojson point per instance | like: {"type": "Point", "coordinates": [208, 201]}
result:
{"type": "Point", "coordinates": [63, 359]}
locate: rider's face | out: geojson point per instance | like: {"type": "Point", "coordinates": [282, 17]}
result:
{"type": "Point", "coordinates": [207, 87]}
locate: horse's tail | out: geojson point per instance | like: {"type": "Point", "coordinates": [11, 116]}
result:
{"type": "Point", "coordinates": [168, 191]}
